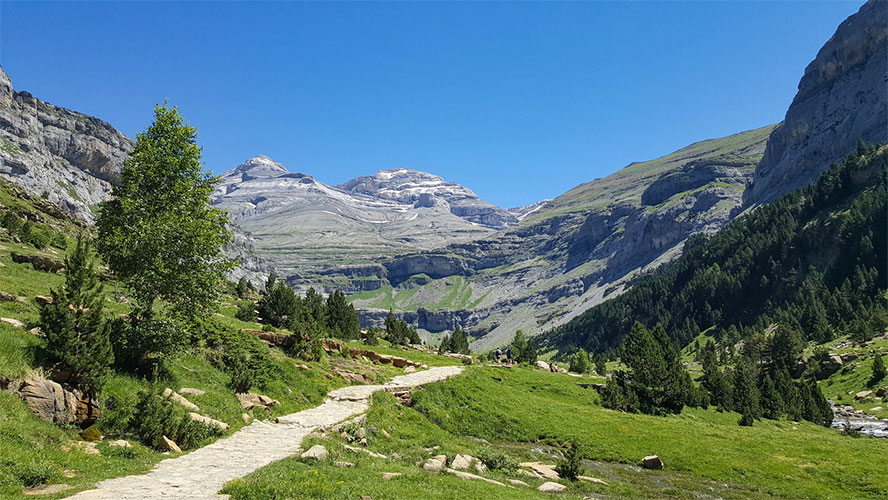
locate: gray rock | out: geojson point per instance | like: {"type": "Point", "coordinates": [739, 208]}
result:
{"type": "Point", "coordinates": [316, 452]}
{"type": "Point", "coordinates": [551, 487]}
{"type": "Point", "coordinates": [841, 99]}
{"type": "Point", "coordinates": [166, 444]}
{"type": "Point", "coordinates": [652, 462]}
{"type": "Point", "coordinates": [58, 403]}
{"type": "Point", "coordinates": [436, 463]}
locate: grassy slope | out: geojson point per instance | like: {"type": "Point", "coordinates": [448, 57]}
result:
{"type": "Point", "coordinates": [531, 414]}
{"type": "Point", "coordinates": [32, 448]}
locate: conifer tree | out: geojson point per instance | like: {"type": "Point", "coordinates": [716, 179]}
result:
{"type": "Point", "coordinates": [525, 351]}
{"type": "Point", "coordinates": [77, 335]}
{"type": "Point", "coordinates": [342, 319]}
{"type": "Point", "coordinates": [579, 362]}
{"type": "Point", "coordinates": [878, 369]}
{"type": "Point", "coordinates": [746, 394]}
{"type": "Point", "coordinates": [771, 400]}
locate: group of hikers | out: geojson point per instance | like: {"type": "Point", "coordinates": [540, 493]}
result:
{"type": "Point", "coordinates": [499, 355]}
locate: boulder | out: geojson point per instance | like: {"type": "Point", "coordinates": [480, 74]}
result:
{"type": "Point", "coordinates": [57, 403]}
{"type": "Point", "coordinates": [43, 300]}
{"type": "Point", "coordinates": [120, 443]}
{"type": "Point", "coordinates": [316, 452]}
{"type": "Point", "coordinates": [340, 463]}
{"type": "Point", "coordinates": [166, 444]}
{"type": "Point", "coordinates": [436, 463]}
{"type": "Point", "coordinates": [652, 462]}
{"type": "Point", "coordinates": [356, 378]}
{"type": "Point", "coordinates": [410, 369]}
{"type": "Point", "coordinates": [390, 475]}
{"type": "Point", "coordinates": [592, 480]}
{"type": "Point", "coordinates": [250, 400]}
{"type": "Point", "coordinates": [542, 365]}
{"type": "Point", "coordinates": [7, 297]}
{"type": "Point", "coordinates": [192, 391]}
{"type": "Point", "coordinates": [364, 450]}
{"type": "Point", "coordinates": [550, 487]}
{"type": "Point", "coordinates": [272, 338]}
{"type": "Point", "coordinates": [541, 470]}
{"type": "Point", "coordinates": [38, 263]}
{"type": "Point", "coordinates": [863, 394]}
{"type": "Point", "coordinates": [332, 346]}
{"type": "Point", "coordinates": [209, 422]}
{"type": "Point", "coordinates": [176, 398]}
{"type": "Point", "coordinates": [246, 418]}
{"type": "Point", "coordinates": [12, 322]}
{"type": "Point", "coordinates": [461, 462]}
{"type": "Point", "coordinates": [469, 476]}
{"type": "Point", "coordinates": [518, 482]}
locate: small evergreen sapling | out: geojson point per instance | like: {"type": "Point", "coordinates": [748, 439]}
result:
{"type": "Point", "coordinates": [77, 335]}
{"type": "Point", "coordinates": [878, 369]}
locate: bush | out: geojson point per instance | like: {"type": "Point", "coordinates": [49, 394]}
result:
{"type": "Point", "coordinates": [239, 354]}
{"type": "Point", "coordinates": [154, 416]}
{"type": "Point", "coordinates": [569, 467]}
{"type": "Point", "coordinates": [60, 241]}
{"type": "Point", "coordinates": [579, 362]}
{"type": "Point", "coordinates": [39, 238]}
{"type": "Point", "coordinates": [525, 351]}
{"type": "Point", "coordinates": [498, 461]}
{"type": "Point", "coordinates": [142, 345]}
{"type": "Point", "coordinates": [305, 342]}
{"type": "Point", "coordinates": [372, 337]}
{"type": "Point", "coordinates": [246, 311]}
{"type": "Point", "coordinates": [278, 304]}
{"type": "Point", "coordinates": [35, 473]}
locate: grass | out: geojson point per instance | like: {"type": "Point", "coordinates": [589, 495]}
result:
{"type": "Point", "coordinates": [773, 459]}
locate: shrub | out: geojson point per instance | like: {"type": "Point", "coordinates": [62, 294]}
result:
{"type": "Point", "coordinates": [305, 342]}
{"type": "Point", "coordinates": [39, 238]}
{"type": "Point", "coordinates": [241, 355]}
{"type": "Point", "coordinates": [154, 417]}
{"type": "Point", "coordinates": [60, 241]}
{"type": "Point", "coordinates": [569, 467]}
{"type": "Point", "coordinates": [525, 351]}
{"type": "Point", "coordinates": [498, 461]}
{"type": "Point", "coordinates": [142, 344]}
{"type": "Point", "coordinates": [579, 362]}
{"type": "Point", "coordinates": [35, 473]}
{"type": "Point", "coordinates": [246, 311]}
{"type": "Point", "coordinates": [878, 369]}
{"type": "Point", "coordinates": [278, 304]}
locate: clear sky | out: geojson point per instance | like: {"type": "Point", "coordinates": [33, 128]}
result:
{"type": "Point", "coordinates": [518, 101]}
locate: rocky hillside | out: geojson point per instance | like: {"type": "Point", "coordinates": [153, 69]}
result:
{"type": "Point", "coordinates": [72, 160]}
{"type": "Point", "coordinates": [574, 251]}
{"type": "Point", "coordinates": [336, 236]}
{"type": "Point", "coordinates": [67, 157]}
{"type": "Point", "coordinates": [842, 98]}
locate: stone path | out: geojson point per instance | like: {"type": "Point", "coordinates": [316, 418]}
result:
{"type": "Point", "coordinates": [203, 472]}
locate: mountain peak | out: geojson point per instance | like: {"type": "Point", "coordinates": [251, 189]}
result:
{"type": "Point", "coordinates": [260, 166]}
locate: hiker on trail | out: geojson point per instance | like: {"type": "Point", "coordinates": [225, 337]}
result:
{"type": "Point", "coordinates": [499, 354]}
{"type": "Point", "coordinates": [509, 355]}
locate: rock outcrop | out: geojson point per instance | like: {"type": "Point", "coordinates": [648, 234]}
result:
{"type": "Point", "coordinates": [67, 157]}
{"type": "Point", "coordinates": [58, 403]}
{"type": "Point", "coordinates": [841, 99]}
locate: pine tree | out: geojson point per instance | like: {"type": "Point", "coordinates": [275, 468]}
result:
{"type": "Point", "coordinates": [77, 335]}
{"type": "Point", "coordinates": [242, 288]}
{"type": "Point", "coordinates": [878, 369]}
{"type": "Point", "coordinates": [279, 304]}
{"type": "Point", "coordinates": [771, 400]}
{"type": "Point", "coordinates": [524, 350]}
{"type": "Point", "coordinates": [342, 319]}
{"type": "Point", "coordinates": [746, 394]}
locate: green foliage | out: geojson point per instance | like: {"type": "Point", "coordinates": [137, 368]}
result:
{"type": "Point", "coordinates": [77, 335]}
{"type": "Point", "coordinates": [91, 433]}
{"type": "Point", "coordinates": [569, 466]}
{"type": "Point", "coordinates": [810, 261]}
{"type": "Point", "coordinates": [398, 332]}
{"type": "Point", "coordinates": [878, 369]}
{"type": "Point", "coordinates": [246, 311]}
{"type": "Point", "coordinates": [141, 344]}
{"type": "Point", "coordinates": [600, 365]}
{"type": "Point", "coordinates": [525, 350]}
{"type": "Point", "coordinates": [341, 317]}
{"type": "Point", "coordinates": [579, 362]}
{"type": "Point", "coordinates": [456, 342]}
{"type": "Point", "coordinates": [746, 394]}
{"type": "Point", "coordinates": [656, 377]}
{"type": "Point", "coordinates": [278, 304]}
{"type": "Point", "coordinates": [372, 336]}
{"type": "Point", "coordinates": [243, 288]}
{"type": "Point", "coordinates": [159, 233]}
{"type": "Point", "coordinates": [305, 341]}
{"type": "Point", "coordinates": [497, 460]}
{"type": "Point", "coordinates": [154, 417]}
{"type": "Point", "coordinates": [239, 354]}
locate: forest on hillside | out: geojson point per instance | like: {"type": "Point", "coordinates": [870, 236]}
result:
{"type": "Point", "coordinates": [813, 262]}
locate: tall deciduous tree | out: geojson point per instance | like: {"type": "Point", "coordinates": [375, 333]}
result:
{"type": "Point", "coordinates": [159, 234]}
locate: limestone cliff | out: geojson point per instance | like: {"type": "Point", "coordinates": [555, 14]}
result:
{"type": "Point", "coordinates": [842, 98]}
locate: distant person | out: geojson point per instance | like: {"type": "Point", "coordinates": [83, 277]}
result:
{"type": "Point", "coordinates": [509, 356]}
{"type": "Point", "coordinates": [499, 354]}
{"type": "Point", "coordinates": [553, 368]}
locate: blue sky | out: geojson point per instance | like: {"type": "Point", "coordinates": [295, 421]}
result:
{"type": "Point", "coordinates": [518, 101]}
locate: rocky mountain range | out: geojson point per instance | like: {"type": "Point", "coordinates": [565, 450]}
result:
{"type": "Point", "coordinates": [440, 256]}
{"type": "Point", "coordinates": [336, 236]}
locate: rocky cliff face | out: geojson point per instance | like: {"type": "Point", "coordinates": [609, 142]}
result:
{"type": "Point", "coordinates": [336, 236]}
{"type": "Point", "coordinates": [67, 157]}
{"type": "Point", "coordinates": [72, 160]}
{"type": "Point", "coordinates": [574, 251]}
{"type": "Point", "coordinates": [842, 98]}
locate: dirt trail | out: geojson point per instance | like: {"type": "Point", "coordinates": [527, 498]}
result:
{"type": "Point", "coordinates": [203, 472]}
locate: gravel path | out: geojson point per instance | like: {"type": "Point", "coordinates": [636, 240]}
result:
{"type": "Point", "coordinates": [203, 472]}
